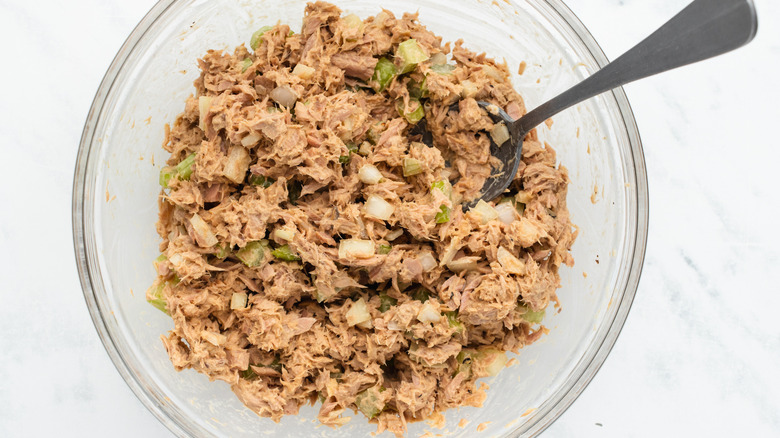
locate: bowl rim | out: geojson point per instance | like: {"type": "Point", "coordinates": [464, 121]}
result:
{"type": "Point", "coordinates": [92, 282]}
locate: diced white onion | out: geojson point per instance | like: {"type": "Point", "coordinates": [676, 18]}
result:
{"type": "Point", "coordinates": [369, 174]}
{"type": "Point", "coordinates": [469, 89]}
{"type": "Point", "coordinates": [356, 249]}
{"type": "Point", "coordinates": [381, 17]}
{"type": "Point", "coordinates": [511, 264]}
{"type": "Point", "coordinates": [203, 234]}
{"type": "Point", "coordinates": [500, 134]}
{"type": "Point", "coordinates": [457, 198]}
{"type": "Point", "coordinates": [429, 313]}
{"type": "Point", "coordinates": [358, 313]}
{"type": "Point", "coordinates": [215, 339]}
{"type": "Point", "coordinates": [463, 264]}
{"type": "Point", "coordinates": [204, 103]}
{"type": "Point", "coordinates": [506, 212]}
{"type": "Point", "coordinates": [428, 261]}
{"type": "Point", "coordinates": [176, 260]}
{"type": "Point", "coordinates": [379, 208]}
{"type": "Point", "coordinates": [523, 197]}
{"type": "Point", "coordinates": [238, 300]}
{"type": "Point", "coordinates": [365, 148]}
{"type": "Point", "coordinates": [493, 72]}
{"type": "Point", "coordinates": [495, 361]}
{"type": "Point", "coordinates": [368, 324]}
{"type": "Point", "coordinates": [392, 235]}
{"type": "Point", "coordinates": [284, 234]}
{"type": "Point", "coordinates": [438, 59]}
{"type": "Point", "coordinates": [303, 71]}
{"type": "Point", "coordinates": [284, 96]}
{"type": "Point", "coordinates": [251, 139]}
{"type": "Point", "coordinates": [449, 253]}
{"type": "Point", "coordinates": [485, 211]}
{"type": "Point", "coordinates": [237, 164]}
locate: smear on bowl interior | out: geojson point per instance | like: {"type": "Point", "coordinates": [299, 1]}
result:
{"type": "Point", "coordinates": [315, 251]}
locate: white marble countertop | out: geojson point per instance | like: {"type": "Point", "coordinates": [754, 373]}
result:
{"type": "Point", "coordinates": [699, 355]}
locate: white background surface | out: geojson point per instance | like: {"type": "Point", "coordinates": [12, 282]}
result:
{"type": "Point", "coordinates": [699, 355]}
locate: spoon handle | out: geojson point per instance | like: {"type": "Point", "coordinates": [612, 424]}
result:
{"type": "Point", "coordinates": [704, 29]}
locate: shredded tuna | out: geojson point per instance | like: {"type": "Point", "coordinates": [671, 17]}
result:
{"type": "Point", "coordinates": [284, 281]}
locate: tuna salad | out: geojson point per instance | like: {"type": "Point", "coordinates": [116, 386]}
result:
{"type": "Point", "coordinates": [315, 250]}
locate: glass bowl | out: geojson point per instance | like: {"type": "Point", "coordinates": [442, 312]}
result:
{"type": "Point", "coordinates": [115, 190]}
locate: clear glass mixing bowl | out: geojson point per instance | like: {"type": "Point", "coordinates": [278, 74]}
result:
{"type": "Point", "coordinates": [115, 190]}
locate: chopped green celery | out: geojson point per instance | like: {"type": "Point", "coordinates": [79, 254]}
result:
{"type": "Point", "coordinates": [418, 90]}
{"type": "Point", "coordinates": [166, 174]}
{"type": "Point", "coordinates": [184, 168]}
{"type": "Point", "coordinates": [413, 116]}
{"type": "Point", "coordinates": [290, 33]}
{"type": "Point", "coordinates": [368, 403]}
{"type": "Point", "coordinates": [386, 302]}
{"type": "Point", "coordinates": [452, 318]}
{"type": "Point", "coordinates": [534, 317]}
{"type": "Point", "coordinates": [223, 250]}
{"type": "Point", "coordinates": [156, 297]}
{"type": "Point", "coordinates": [412, 166]}
{"type": "Point", "coordinates": [260, 180]}
{"type": "Point", "coordinates": [161, 258]}
{"type": "Point", "coordinates": [275, 365]}
{"type": "Point", "coordinates": [257, 37]}
{"type": "Point", "coordinates": [245, 64]}
{"type": "Point", "coordinates": [443, 69]}
{"type": "Point", "coordinates": [252, 254]}
{"type": "Point", "coordinates": [421, 294]}
{"type": "Point", "coordinates": [285, 253]}
{"type": "Point", "coordinates": [444, 186]}
{"type": "Point", "coordinates": [465, 358]}
{"type": "Point", "coordinates": [352, 148]}
{"type": "Point", "coordinates": [294, 191]}
{"type": "Point", "coordinates": [384, 249]}
{"type": "Point", "coordinates": [384, 72]}
{"type": "Point", "coordinates": [160, 304]}
{"type": "Point", "coordinates": [443, 216]}
{"type": "Point", "coordinates": [520, 207]}
{"type": "Point", "coordinates": [411, 54]}
{"type": "Point", "coordinates": [249, 374]}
